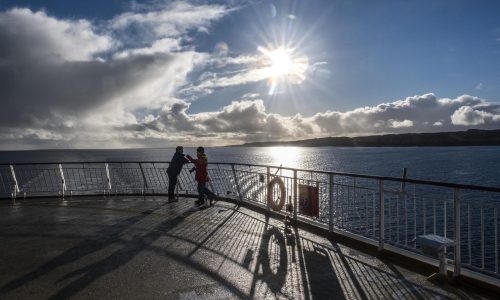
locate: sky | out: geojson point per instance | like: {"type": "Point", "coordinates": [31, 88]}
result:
{"type": "Point", "coordinates": [120, 74]}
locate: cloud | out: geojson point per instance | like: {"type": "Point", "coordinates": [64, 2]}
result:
{"type": "Point", "coordinates": [400, 124]}
{"type": "Point", "coordinates": [53, 70]}
{"type": "Point", "coordinates": [164, 45]}
{"type": "Point", "coordinates": [468, 116]}
{"type": "Point", "coordinates": [34, 36]}
{"type": "Point", "coordinates": [414, 114]}
{"type": "Point", "coordinates": [172, 20]}
{"type": "Point", "coordinates": [248, 120]}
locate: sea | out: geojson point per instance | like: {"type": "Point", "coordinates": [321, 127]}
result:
{"type": "Point", "coordinates": [464, 165]}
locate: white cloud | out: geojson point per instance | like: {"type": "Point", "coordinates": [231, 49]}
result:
{"type": "Point", "coordinates": [467, 116]}
{"type": "Point", "coordinates": [248, 120]}
{"type": "Point", "coordinates": [53, 70]}
{"type": "Point", "coordinates": [36, 36]}
{"type": "Point", "coordinates": [250, 96]}
{"type": "Point", "coordinates": [401, 124]}
{"type": "Point", "coordinates": [165, 45]}
{"type": "Point", "coordinates": [172, 20]}
{"type": "Point", "coordinates": [479, 86]}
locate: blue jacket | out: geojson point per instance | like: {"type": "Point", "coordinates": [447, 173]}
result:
{"type": "Point", "coordinates": [175, 166]}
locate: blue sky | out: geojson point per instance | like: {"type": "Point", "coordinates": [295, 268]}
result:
{"type": "Point", "coordinates": [157, 73]}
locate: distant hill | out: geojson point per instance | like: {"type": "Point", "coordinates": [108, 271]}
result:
{"type": "Point", "coordinates": [472, 137]}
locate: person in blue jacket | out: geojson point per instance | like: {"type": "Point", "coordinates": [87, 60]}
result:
{"type": "Point", "coordinates": [174, 169]}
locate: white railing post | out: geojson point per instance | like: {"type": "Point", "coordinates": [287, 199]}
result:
{"type": "Point", "coordinates": [330, 200]}
{"type": "Point", "coordinates": [295, 198]}
{"type": "Point", "coordinates": [381, 225]}
{"type": "Point", "coordinates": [16, 186]}
{"type": "Point", "coordinates": [108, 178]}
{"type": "Point", "coordinates": [63, 180]}
{"type": "Point", "coordinates": [240, 197]}
{"type": "Point", "coordinates": [267, 187]}
{"type": "Point", "coordinates": [457, 220]}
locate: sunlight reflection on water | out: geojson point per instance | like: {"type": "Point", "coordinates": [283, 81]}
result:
{"type": "Point", "coordinates": [286, 156]}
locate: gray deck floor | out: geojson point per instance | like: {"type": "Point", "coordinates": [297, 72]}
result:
{"type": "Point", "coordinates": [115, 248]}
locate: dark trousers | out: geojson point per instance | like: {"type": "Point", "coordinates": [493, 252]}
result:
{"type": "Point", "coordinates": [172, 181]}
{"type": "Point", "coordinates": [203, 190]}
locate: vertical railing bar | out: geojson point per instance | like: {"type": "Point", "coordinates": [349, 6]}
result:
{"type": "Point", "coordinates": [366, 212]}
{"type": "Point", "coordinates": [469, 233]}
{"type": "Point", "coordinates": [85, 177]}
{"type": "Point", "coordinates": [406, 219]}
{"type": "Point", "coordinates": [425, 216]}
{"type": "Point", "coordinates": [348, 206]}
{"type": "Point", "coordinates": [16, 186]}
{"type": "Point", "coordinates": [210, 184]}
{"type": "Point", "coordinates": [294, 193]}
{"type": "Point", "coordinates": [108, 178]}
{"type": "Point", "coordinates": [330, 199]}
{"type": "Point", "coordinates": [352, 205]}
{"type": "Point", "coordinates": [63, 180]}
{"type": "Point", "coordinates": [495, 220]}
{"type": "Point", "coordinates": [445, 216]}
{"type": "Point", "coordinates": [268, 179]}
{"type": "Point", "coordinates": [373, 213]}
{"type": "Point", "coordinates": [434, 214]}
{"type": "Point", "coordinates": [482, 237]}
{"type": "Point", "coordinates": [397, 221]}
{"type": "Point", "coordinates": [457, 236]}
{"type": "Point", "coordinates": [145, 183]}
{"type": "Point", "coordinates": [414, 213]}
{"type": "Point", "coordinates": [40, 180]}
{"type": "Point", "coordinates": [158, 181]}
{"type": "Point", "coordinates": [45, 180]}
{"type": "Point", "coordinates": [343, 204]}
{"type": "Point", "coordinates": [381, 215]}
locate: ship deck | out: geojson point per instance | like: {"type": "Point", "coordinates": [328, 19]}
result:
{"type": "Point", "coordinates": [146, 248]}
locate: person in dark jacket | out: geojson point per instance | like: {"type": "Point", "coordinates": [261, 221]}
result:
{"type": "Point", "coordinates": [174, 169]}
{"type": "Point", "coordinates": [201, 175]}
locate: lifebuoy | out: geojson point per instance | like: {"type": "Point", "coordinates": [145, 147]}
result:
{"type": "Point", "coordinates": [276, 206]}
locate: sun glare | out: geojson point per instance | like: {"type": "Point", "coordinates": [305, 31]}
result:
{"type": "Point", "coordinates": [281, 62]}
{"type": "Point", "coordinates": [283, 65]}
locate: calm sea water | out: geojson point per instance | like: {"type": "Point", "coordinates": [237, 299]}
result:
{"type": "Point", "coordinates": [466, 165]}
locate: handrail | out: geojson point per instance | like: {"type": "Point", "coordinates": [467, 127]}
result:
{"type": "Point", "coordinates": [366, 176]}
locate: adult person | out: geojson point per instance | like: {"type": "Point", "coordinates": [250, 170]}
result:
{"type": "Point", "coordinates": [174, 169]}
{"type": "Point", "coordinates": [201, 175]}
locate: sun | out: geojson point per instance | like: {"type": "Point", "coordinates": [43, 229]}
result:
{"type": "Point", "coordinates": [281, 62]}
{"type": "Point", "coordinates": [283, 65]}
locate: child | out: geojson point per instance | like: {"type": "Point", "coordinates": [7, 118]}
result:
{"type": "Point", "coordinates": [201, 175]}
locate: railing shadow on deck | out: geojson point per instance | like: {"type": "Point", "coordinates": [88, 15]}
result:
{"type": "Point", "coordinates": [272, 263]}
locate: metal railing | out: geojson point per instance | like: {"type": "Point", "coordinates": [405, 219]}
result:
{"type": "Point", "coordinates": [385, 210]}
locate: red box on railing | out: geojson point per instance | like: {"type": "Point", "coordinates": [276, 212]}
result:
{"type": "Point", "coordinates": [308, 200]}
